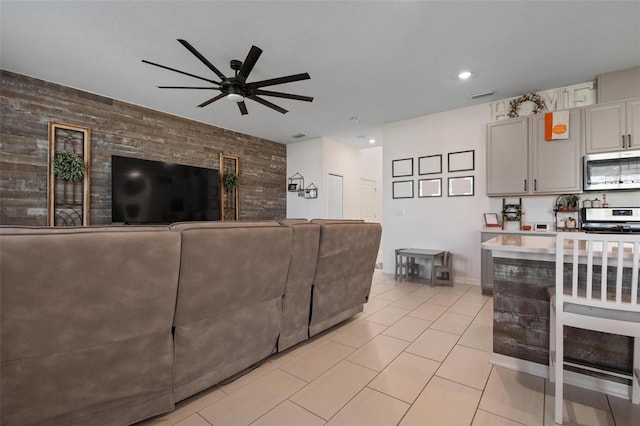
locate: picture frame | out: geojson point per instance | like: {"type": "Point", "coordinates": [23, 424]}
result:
{"type": "Point", "coordinates": [430, 164]}
{"type": "Point", "coordinates": [68, 202]}
{"type": "Point", "coordinates": [462, 186]}
{"type": "Point", "coordinates": [461, 161]}
{"type": "Point", "coordinates": [402, 189]}
{"type": "Point", "coordinates": [491, 220]}
{"type": "Point", "coordinates": [430, 188]}
{"type": "Point", "coordinates": [402, 167]}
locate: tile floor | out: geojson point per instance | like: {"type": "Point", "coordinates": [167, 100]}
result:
{"type": "Point", "coordinates": [417, 355]}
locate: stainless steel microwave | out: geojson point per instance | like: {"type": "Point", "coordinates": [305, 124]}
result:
{"type": "Point", "coordinates": [612, 170]}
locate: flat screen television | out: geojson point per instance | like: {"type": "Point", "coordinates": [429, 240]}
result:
{"type": "Point", "coordinates": [146, 192]}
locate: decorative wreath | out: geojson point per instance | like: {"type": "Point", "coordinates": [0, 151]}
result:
{"type": "Point", "coordinates": [514, 105]}
{"type": "Point", "coordinates": [69, 166]}
{"type": "Point", "coordinates": [230, 181]}
{"type": "Point", "coordinates": [511, 212]}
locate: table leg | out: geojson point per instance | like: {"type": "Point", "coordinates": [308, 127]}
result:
{"type": "Point", "coordinates": [395, 271]}
{"type": "Point", "coordinates": [433, 271]}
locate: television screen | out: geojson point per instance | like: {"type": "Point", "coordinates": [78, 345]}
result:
{"type": "Point", "coordinates": [145, 191]}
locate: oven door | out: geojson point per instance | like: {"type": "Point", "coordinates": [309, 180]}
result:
{"type": "Point", "coordinates": [612, 170]}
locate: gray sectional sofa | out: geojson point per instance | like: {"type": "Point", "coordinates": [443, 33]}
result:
{"type": "Point", "coordinates": [111, 325]}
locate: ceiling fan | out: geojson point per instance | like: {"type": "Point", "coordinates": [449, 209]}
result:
{"type": "Point", "coordinates": [236, 88]}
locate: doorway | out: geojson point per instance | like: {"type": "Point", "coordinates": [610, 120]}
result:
{"type": "Point", "coordinates": [368, 192]}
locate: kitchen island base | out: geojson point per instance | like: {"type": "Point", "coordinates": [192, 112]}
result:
{"type": "Point", "coordinates": [522, 279]}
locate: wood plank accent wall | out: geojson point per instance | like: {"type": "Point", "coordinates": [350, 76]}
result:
{"type": "Point", "coordinates": [27, 105]}
{"type": "Point", "coordinates": [521, 319]}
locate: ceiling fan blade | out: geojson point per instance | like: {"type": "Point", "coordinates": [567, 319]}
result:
{"type": "Point", "coordinates": [212, 100]}
{"type": "Point", "coordinates": [243, 108]}
{"type": "Point", "coordinates": [204, 60]}
{"type": "Point", "coordinates": [267, 104]}
{"type": "Point", "coordinates": [181, 72]}
{"type": "Point", "coordinates": [249, 63]}
{"type": "Point", "coordinates": [283, 95]}
{"type": "Point", "coordinates": [188, 87]}
{"type": "Point", "coordinates": [279, 80]}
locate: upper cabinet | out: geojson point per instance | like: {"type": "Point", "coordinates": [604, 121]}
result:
{"type": "Point", "coordinates": [507, 156]}
{"type": "Point", "coordinates": [556, 166]}
{"type": "Point", "coordinates": [612, 126]}
{"type": "Point", "coordinates": [520, 161]}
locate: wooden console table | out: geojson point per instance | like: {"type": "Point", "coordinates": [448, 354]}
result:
{"type": "Point", "coordinates": [428, 254]}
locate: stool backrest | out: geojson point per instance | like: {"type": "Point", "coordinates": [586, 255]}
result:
{"type": "Point", "coordinates": [602, 269]}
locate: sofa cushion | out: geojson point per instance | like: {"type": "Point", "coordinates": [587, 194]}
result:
{"type": "Point", "coordinates": [346, 261]}
{"type": "Point", "coordinates": [297, 295]}
{"type": "Point", "coordinates": [229, 307]}
{"type": "Point", "coordinates": [76, 303]}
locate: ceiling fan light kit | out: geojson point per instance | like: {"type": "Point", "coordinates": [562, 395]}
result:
{"type": "Point", "coordinates": [236, 88]}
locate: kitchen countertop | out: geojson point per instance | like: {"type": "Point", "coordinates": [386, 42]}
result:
{"type": "Point", "coordinates": [518, 232]}
{"type": "Point", "coordinates": [530, 247]}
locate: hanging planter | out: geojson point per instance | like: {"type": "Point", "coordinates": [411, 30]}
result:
{"type": "Point", "coordinates": [69, 166]}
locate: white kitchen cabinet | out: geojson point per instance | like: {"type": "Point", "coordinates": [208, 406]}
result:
{"type": "Point", "coordinates": [521, 162]}
{"type": "Point", "coordinates": [556, 166]}
{"type": "Point", "coordinates": [508, 157]}
{"type": "Point", "coordinates": [613, 126]}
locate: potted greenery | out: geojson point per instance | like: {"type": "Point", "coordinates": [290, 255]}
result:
{"type": "Point", "coordinates": [69, 166]}
{"type": "Point", "coordinates": [572, 201]}
{"type": "Point", "coordinates": [230, 181]}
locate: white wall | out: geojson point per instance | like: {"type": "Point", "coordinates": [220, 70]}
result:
{"type": "Point", "coordinates": [448, 223]}
{"type": "Point", "coordinates": [306, 158]}
{"type": "Point", "coordinates": [315, 159]}
{"type": "Point", "coordinates": [344, 160]}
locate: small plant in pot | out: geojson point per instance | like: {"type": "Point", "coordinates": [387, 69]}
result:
{"type": "Point", "coordinates": [230, 181]}
{"type": "Point", "coordinates": [69, 166]}
{"type": "Point", "coordinates": [572, 201]}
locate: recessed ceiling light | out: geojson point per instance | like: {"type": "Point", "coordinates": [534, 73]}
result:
{"type": "Point", "coordinates": [354, 119]}
{"type": "Point", "coordinates": [464, 75]}
{"type": "Point", "coordinates": [372, 141]}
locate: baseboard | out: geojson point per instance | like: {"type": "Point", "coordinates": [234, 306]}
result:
{"type": "Point", "coordinates": [572, 378]}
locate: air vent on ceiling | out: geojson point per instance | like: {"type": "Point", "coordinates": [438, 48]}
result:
{"type": "Point", "coordinates": [482, 94]}
{"type": "Point", "coordinates": [298, 135]}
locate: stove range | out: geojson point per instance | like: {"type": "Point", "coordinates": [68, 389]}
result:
{"type": "Point", "coordinates": [611, 220]}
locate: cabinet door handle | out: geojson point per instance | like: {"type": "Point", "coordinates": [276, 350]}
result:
{"type": "Point", "coordinates": [535, 184]}
{"type": "Point", "coordinates": [525, 185]}
{"type": "Point", "coordinates": [623, 145]}
{"type": "Point", "coordinates": [629, 140]}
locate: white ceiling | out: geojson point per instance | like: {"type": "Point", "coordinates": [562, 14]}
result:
{"type": "Point", "coordinates": [380, 61]}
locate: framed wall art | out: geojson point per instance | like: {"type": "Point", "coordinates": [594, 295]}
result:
{"type": "Point", "coordinates": [430, 164]}
{"type": "Point", "coordinates": [461, 161]}
{"type": "Point", "coordinates": [429, 188]}
{"type": "Point", "coordinates": [403, 189]}
{"type": "Point", "coordinates": [462, 186]}
{"type": "Point", "coordinates": [69, 175]}
{"type": "Point", "coordinates": [401, 168]}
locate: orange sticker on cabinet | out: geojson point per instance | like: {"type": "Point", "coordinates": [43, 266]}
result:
{"type": "Point", "coordinates": [559, 129]}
